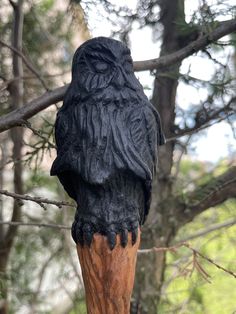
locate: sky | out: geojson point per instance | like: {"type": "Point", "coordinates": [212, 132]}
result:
{"type": "Point", "coordinates": [218, 141]}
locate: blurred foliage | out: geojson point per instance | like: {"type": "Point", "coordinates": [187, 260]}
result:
{"type": "Point", "coordinates": [80, 308]}
{"type": "Point", "coordinates": [40, 265]}
{"type": "Point", "coordinates": [180, 294]}
{"type": "Point", "coordinates": [193, 294]}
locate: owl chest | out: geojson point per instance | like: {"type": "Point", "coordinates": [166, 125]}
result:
{"type": "Point", "coordinates": [95, 125]}
{"type": "Point", "coordinates": [110, 132]}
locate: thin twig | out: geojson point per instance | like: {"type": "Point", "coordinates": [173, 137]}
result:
{"type": "Point", "coordinates": [200, 43]}
{"type": "Point", "coordinates": [202, 232]}
{"type": "Point", "coordinates": [26, 62]}
{"type": "Point", "coordinates": [16, 117]}
{"type": "Point", "coordinates": [39, 134]}
{"type": "Point", "coordinates": [194, 130]}
{"type": "Point", "coordinates": [196, 254]}
{"type": "Point", "coordinates": [34, 224]}
{"type": "Point", "coordinates": [39, 200]}
{"type": "Point", "coordinates": [209, 260]}
{"type": "Point", "coordinates": [19, 116]}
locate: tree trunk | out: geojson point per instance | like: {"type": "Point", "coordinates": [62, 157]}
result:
{"type": "Point", "coordinates": [160, 227]}
{"type": "Point", "coordinates": [16, 90]}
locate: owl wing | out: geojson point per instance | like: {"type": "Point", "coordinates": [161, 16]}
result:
{"type": "Point", "coordinates": [160, 135]}
{"type": "Point", "coordinates": [144, 140]}
{"type": "Point", "coordinates": [64, 137]}
{"type": "Point", "coordinates": [137, 136]}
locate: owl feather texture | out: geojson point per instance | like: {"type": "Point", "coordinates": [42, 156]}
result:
{"type": "Point", "coordinates": [107, 135]}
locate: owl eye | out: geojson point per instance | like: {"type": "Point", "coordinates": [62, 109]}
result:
{"type": "Point", "coordinates": [101, 66]}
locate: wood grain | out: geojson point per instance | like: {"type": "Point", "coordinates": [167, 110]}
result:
{"type": "Point", "coordinates": [108, 275]}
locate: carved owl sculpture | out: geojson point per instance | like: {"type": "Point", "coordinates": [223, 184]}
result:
{"type": "Point", "coordinates": [107, 135]}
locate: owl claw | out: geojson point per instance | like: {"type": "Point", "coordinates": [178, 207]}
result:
{"type": "Point", "coordinates": [134, 236]}
{"type": "Point", "coordinates": [88, 237]}
{"type": "Point", "coordinates": [124, 237]}
{"type": "Point", "coordinates": [87, 234]}
{"type": "Point", "coordinates": [77, 233]}
{"type": "Point", "coordinates": [83, 232]}
{"type": "Point", "coordinates": [79, 237]}
{"type": "Point", "coordinates": [134, 231]}
{"type": "Point", "coordinates": [111, 237]}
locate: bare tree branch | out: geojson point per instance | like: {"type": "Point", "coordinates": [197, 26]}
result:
{"type": "Point", "coordinates": [200, 233]}
{"type": "Point", "coordinates": [39, 200]}
{"type": "Point", "coordinates": [205, 231]}
{"type": "Point", "coordinates": [34, 224]}
{"type": "Point", "coordinates": [197, 128]}
{"type": "Point", "coordinates": [18, 117]}
{"type": "Point", "coordinates": [227, 110]}
{"type": "Point", "coordinates": [222, 30]}
{"type": "Point", "coordinates": [39, 134]}
{"type": "Point", "coordinates": [196, 265]}
{"type": "Point", "coordinates": [26, 62]}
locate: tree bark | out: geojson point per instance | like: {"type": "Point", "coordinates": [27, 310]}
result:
{"type": "Point", "coordinates": [16, 90]}
{"type": "Point", "coordinates": [150, 269]}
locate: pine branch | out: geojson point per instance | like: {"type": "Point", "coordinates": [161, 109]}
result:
{"type": "Point", "coordinates": [215, 192]}
{"type": "Point", "coordinates": [211, 194]}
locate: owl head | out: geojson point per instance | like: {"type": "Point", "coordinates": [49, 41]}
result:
{"type": "Point", "coordinates": [103, 63]}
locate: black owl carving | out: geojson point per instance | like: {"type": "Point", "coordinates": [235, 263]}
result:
{"type": "Point", "coordinates": [107, 135]}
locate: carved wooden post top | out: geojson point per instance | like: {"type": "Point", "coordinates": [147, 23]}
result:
{"type": "Point", "coordinates": [107, 136]}
{"type": "Point", "coordinates": [108, 274]}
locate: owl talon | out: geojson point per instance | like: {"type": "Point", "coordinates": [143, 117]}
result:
{"type": "Point", "coordinates": [111, 237]}
{"type": "Point", "coordinates": [134, 236]}
{"type": "Point", "coordinates": [79, 237]}
{"type": "Point", "coordinates": [77, 233]}
{"type": "Point", "coordinates": [88, 237]}
{"type": "Point", "coordinates": [124, 237]}
{"type": "Point", "coordinates": [87, 234]}
{"type": "Point", "coordinates": [74, 232]}
{"type": "Point", "coordinates": [134, 230]}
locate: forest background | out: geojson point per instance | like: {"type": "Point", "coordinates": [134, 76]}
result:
{"type": "Point", "coordinates": [187, 66]}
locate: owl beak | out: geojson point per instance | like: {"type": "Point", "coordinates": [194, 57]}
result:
{"type": "Point", "coordinates": [121, 80]}
{"type": "Point", "coordinates": [129, 80]}
{"type": "Point", "coordinates": [118, 80]}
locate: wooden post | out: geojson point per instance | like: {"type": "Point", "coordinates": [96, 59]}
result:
{"type": "Point", "coordinates": [108, 274]}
